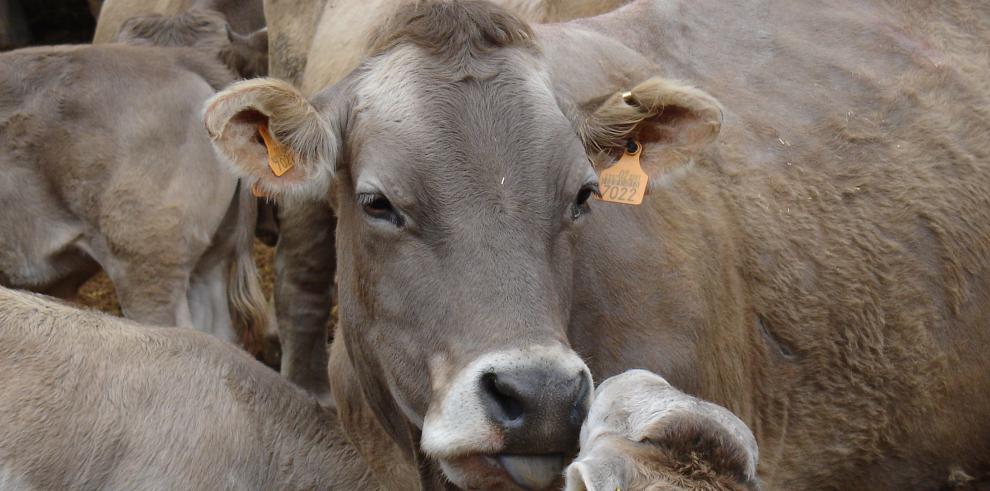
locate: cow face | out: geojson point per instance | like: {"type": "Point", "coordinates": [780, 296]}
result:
{"type": "Point", "coordinates": [461, 188]}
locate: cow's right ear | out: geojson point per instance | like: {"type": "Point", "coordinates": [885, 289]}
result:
{"type": "Point", "coordinates": [676, 119]}
{"type": "Point", "coordinates": [274, 137]}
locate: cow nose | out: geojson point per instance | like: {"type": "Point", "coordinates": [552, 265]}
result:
{"type": "Point", "coordinates": [537, 406]}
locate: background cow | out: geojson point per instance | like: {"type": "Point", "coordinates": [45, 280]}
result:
{"type": "Point", "coordinates": [642, 433]}
{"type": "Point", "coordinates": [812, 253]}
{"type": "Point", "coordinates": [89, 401]}
{"type": "Point", "coordinates": [105, 165]}
{"type": "Point", "coordinates": [243, 16]}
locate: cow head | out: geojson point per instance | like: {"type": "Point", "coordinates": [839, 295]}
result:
{"type": "Point", "coordinates": [245, 55]}
{"type": "Point", "coordinates": [461, 185]}
{"type": "Point", "coordinates": [642, 433]}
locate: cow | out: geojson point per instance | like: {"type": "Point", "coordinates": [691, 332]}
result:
{"type": "Point", "coordinates": [642, 433]}
{"type": "Point", "coordinates": [90, 401]}
{"type": "Point", "coordinates": [810, 253]}
{"type": "Point", "coordinates": [305, 269]}
{"type": "Point", "coordinates": [105, 166]}
{"type": "Point", "coordinates": [235, 29]}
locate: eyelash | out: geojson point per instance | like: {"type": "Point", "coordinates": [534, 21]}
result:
{"type": "Point", "coordinates": [378, 207]}
{"type": "Point", "coordinates": [580, 205]}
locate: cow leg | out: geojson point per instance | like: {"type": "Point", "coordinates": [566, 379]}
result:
{"type": "Point", "coordinates": [305, 264]}
{"type": "Point", "coordinates": [208, 304]}
{"type": "Point", "coordinates": [150, 293]}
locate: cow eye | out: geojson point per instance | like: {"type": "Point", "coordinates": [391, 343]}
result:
{"type": "Point", "coordinates": [581, 201]}
{"type": "Point", "coordinates": [377, 206]}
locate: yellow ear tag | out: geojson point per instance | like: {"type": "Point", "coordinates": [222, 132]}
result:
{"type": "Point", "coordinates": [280, 157]}
{"type": "Point", "coordinates": [624, 182]}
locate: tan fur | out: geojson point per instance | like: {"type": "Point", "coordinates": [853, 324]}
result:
{"type": "Point", "coordinates": [385, 460]}
{"type": "Point", "coordinates": [211, 25]}
{"type": "Point", "coordinates": [313, 46]}
{"type": "Point", "coordinates": [442, 33]}
{"type": "Point", "coordinates": [821, 269]}
{"type": "Point", "coordinates": [244, 16]}
{"type": "Point", "coordinates": [644, 434]}
{"type": "Point", "coordinates": [617, 119]}
{"type": "Point", "coordinates": [291, 24]}
{"type": "Point", "coordinates": [107, 187]}
{"type": "Point", "coordinates": [347, 27]}
{"type": "Point", "coordinates": [91, 401]}
{"type": "Point", "coordinates": [202, 29]}
{"type": "Point", "coordinates": [232, 118]}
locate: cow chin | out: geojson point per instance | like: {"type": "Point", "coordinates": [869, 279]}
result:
{"type": "Point", "coordinates": [505, 472]}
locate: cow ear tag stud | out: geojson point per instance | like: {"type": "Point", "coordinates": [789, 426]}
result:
{"type": "Point", "coordinates": [280, 157]}
{"type": "Point", "coordinates": [624, 182]}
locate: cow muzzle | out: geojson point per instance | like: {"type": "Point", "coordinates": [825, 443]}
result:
{"type": "Point", "coordinates": [510, 419]}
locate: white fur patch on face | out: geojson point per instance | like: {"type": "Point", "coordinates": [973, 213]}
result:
{"type": "Point", "coordinates": [388, 89]}
{"type": "Point", "coordinates": [458, 424]}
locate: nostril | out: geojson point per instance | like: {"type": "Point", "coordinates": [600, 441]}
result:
{"type": "Point", "coordinates": [503, 398]}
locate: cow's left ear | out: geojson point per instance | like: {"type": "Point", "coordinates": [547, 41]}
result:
{"type": "Point", "coordinates": [273, 137]}
{"type": "Point", "coordinates": [658, 111]}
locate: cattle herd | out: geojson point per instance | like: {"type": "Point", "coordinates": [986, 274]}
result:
{"type": "Point", "coordinates": [801, 301]}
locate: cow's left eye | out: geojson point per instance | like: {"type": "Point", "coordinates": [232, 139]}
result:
{"type": "Point", "coordinates": [581, 201]}
{"type": "Point", "coordinates": [377, 206]}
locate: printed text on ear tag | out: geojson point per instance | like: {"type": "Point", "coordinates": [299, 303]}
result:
{"type": "Point", "coordinates": [280, 157]}
{"type": "Point", "coordinates": [624, 182]}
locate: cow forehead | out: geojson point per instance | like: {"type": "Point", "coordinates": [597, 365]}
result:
{"type": "Point", "coordinates": [408, 91]}
{"type": "Point", "coordinates": [412, 109]}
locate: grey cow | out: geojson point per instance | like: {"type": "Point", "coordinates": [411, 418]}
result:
{"type": "Point", "coordinates": [643, 434]}
{"type": "Point", "coordinates": [104, 164]}
{"type": "Point", "coordinates": [812, 252]}
{"type": "Point", "coordinates": [89, 401]}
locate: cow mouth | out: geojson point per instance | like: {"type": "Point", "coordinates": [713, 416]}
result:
{"type": "Point", "coordinates": [530, 472]}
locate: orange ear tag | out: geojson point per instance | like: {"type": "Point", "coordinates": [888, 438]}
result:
{"type": "Point", "coordinates": [280, 157]}
{"type": "Point", "coordinates": [624, 182]}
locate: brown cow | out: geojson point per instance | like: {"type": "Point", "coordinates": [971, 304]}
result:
{"type": "Point", "coordinates": [235, 28]}
{"type": "Point", "coordinates": [104, 165]}
{"type": "Point", "coordinates": [812, 253]}
{"type": "Point", "coordinates": [304, 258]}
{"type": "Point", "coordinates": [89, 401]}
{"type": "Point", "coordinates": [642, 433]}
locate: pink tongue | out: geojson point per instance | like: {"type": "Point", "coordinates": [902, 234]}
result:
{"type": "Point", "coordinates": [533, 471]}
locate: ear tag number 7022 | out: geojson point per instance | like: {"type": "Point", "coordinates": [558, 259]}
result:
{"type": "Point", "coordinates": [624, 182]}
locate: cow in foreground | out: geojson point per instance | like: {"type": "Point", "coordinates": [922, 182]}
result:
{"type": "Point", "coordinates": [305, 262]}
{"type": "Point", "coordinates": [811, 255]}
{"type": "Point", "coordinates": [105, 165]}
{"type": "Point", "coordinates": [93, 401]}
{"type": "Point", "coordinates": [89, 401]}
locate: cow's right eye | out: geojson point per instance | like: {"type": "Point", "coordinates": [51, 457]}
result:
{"type": "Point", "coordinates": [377, 206]}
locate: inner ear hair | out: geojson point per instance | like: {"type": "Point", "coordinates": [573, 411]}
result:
{"type": "Point", "coordinates": [667, 107]}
